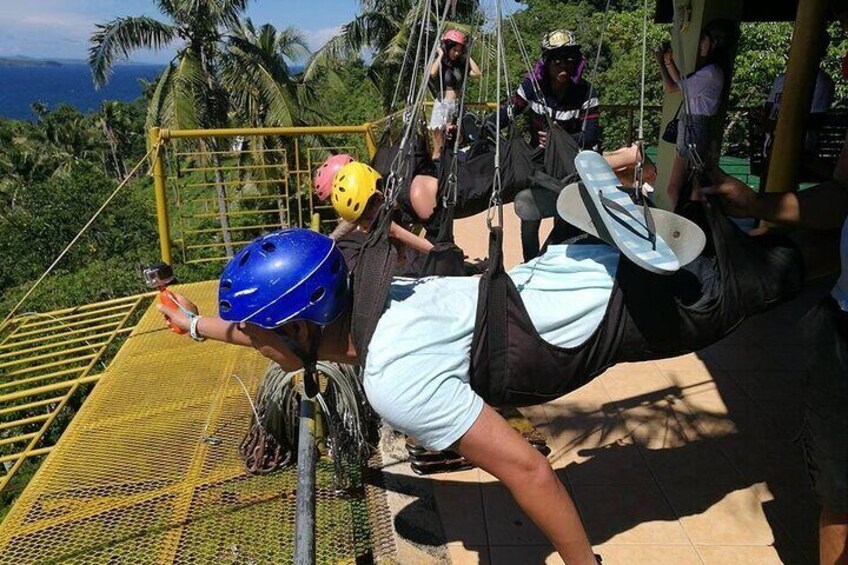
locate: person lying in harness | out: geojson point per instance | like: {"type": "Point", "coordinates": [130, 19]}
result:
{"type": "Point", "coordinates": [419, 198]}
{"type": "Point", "coordinates": [581, 308]}
{"type": "Point", "coordinates": [322, 188]}
{"type": "Point", "coordinates": [356, 197]}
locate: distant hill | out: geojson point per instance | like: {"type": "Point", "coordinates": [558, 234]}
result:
{"type": "Point", "coordinates": [27, 62]}
{"type": "Point", "coordinates": [57, 62]}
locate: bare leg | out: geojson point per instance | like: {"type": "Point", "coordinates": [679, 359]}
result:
{"type": "Point", "coordinates": [422, 196]}
{"type": "Point", "coordinates": [622, 158]}
{"type": "Point", "coordinates": [623, 162]}
{"type": "Point", "coordinates": [494, 446]}
{"type": "Point", "coordinates": [438, 141]}
{"type": "Point", "coordinates": [833, 538]}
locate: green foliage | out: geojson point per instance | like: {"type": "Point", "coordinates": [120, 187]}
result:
{"type": "Point", "coordinates": [761, 55]}
{"type": "Point", "coordinates": [351, 100]}
{"type": "Point", "coordinates": [255, 72]}
{"type": "Point", "coordinates": [617, 78]}
{"type": "Point", "coordinates": [832, 62]}
{"type": "Point", "coordinates": [47, 216]}
{"type": "Point", "coordinates": [99, 279]}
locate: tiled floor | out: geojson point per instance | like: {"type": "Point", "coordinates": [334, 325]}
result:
{"type": "Point", "coordinates": [687, 460]}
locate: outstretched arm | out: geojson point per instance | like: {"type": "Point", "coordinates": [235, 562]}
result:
{"type": "Point", "coordinates": [267, 342]}
{"type": "Point", "coordinates": [822, 207]}
{"type": "Point", "coordinates": [409, 239]}
{"type": "Point", "coordinates": [624, 160]}
{"type": "Point", "coordinates": [342, 229]}
{"type": "Point", "coordinates": [211, 327]}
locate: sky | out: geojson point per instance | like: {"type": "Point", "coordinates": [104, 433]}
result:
{"type": "Point", "coordinates": [61, 28]}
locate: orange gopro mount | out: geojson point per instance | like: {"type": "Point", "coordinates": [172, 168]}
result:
{"type": "Point", "coordinates": [158, 277]}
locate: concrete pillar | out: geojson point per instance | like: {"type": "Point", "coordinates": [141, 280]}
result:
{"type": "Point", "coordinates": [697, 13]}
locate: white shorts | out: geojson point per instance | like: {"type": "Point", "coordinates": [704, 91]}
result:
{"type": "Point", "coordinates": [444, 112]}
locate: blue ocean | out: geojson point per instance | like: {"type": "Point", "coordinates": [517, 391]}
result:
{"type": "Point", "coordinates": [68, 83]}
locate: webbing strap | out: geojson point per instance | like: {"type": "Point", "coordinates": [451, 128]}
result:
{"type": "Point", "coordinates": [560, 151]}
{"type": "Point", "coordinates": [489, 371]}
{"type": "Point", "coordinates": [497, 299]}
{"type": "Point", "coordinates": [445, 233]}
{"type": "Point", "coordinates": [371, 279]}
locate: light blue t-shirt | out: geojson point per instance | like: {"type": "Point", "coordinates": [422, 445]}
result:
{"type": "Point", "coordinates": [417, 372]}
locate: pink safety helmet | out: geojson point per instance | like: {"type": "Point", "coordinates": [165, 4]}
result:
{"type": "Point", "coordinates": [454, 35]}
{"type": "Point", "coordinates": [323, 182]}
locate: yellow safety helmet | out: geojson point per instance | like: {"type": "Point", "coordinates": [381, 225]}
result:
{"type": "Point", "coordinates": [353, 185]}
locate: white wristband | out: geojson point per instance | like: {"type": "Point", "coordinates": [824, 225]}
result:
{"type": "Point", "coordinates": [192, 329]}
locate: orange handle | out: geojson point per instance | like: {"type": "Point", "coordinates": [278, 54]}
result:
{"type": "Point", "coordinates": [166, 298]}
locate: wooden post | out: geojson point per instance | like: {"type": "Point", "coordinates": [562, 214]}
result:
{"type": "Point", "coordinates": [798, 86]}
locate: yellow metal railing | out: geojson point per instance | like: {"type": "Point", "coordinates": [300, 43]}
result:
{"type": "Point", "coordinates": [44, 360]}
{"type": "Point", "coordinates": [218, 189]}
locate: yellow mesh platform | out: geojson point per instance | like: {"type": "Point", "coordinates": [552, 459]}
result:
{"type": "Point", "coordinates": [131, 480]}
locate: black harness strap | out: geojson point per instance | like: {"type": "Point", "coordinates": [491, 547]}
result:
{"type": "Point", "coordinates": [446, 258]}
{"type": "Point", "coordinates": [371, 279]}
{"type": "Point", "coordinates": [560, 151]}
{"type": "Point", "coordinates": [516, 164]}
{"type": "Point", "coordinates": [511, 365]}
{"type": "Point", "coordinates": [489, 367]}
{"type": "Point", "coordinates": [648, 316]}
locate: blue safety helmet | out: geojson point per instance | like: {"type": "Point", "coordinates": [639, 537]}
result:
{"type": "Point", "coordinates": [292, 274]}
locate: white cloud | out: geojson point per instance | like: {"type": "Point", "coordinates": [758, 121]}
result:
{"type": "Point", "coordinates": [74, 22]}
{"type": "Point", "coordinates": [45, 35]}
{"type": "Point", "coordinates": [59, 28]}
{"type": "Point", "coordinates": [315, 39]}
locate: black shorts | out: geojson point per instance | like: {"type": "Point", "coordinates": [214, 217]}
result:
{"type": "Point", "coordinates": [404, 202]}
{"type": "Point", "coordinates": [825, 432]}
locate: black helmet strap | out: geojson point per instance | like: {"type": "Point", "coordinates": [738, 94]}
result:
{"type": "Point", "coordinates": [308, 356]}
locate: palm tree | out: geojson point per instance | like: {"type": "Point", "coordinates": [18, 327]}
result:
{"type": "Point", "coordinates": [113, 122]}
{"type": "Point", "coordinates": [24, 161]}
{"type": "Point", "coordinates": [386, 27]}
{"type": "Point", "coordinates": [189, 93]}
{"type": "Point", "coordinates": [255, 70]}
{"type": "Point", "coordinates": [68, 138]}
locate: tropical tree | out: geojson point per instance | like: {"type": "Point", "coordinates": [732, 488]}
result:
{"type": "Point", "coordinates": [255, 70]}
{"type": "Point", "coordinates": [189, 93]}
{"type": "Point", "coordinates": [113, 121]}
